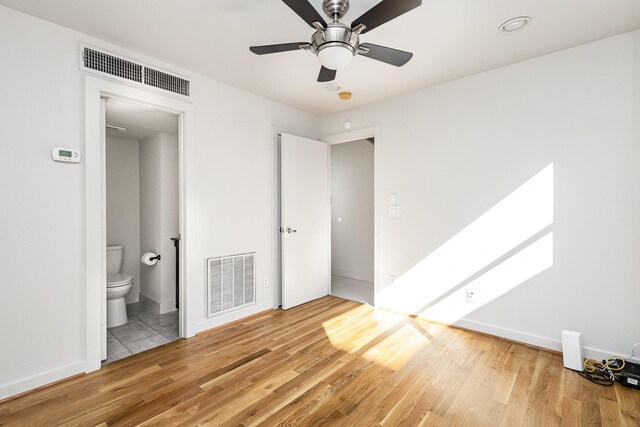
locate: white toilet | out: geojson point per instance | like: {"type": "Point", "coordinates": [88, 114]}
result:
{"type": "Point", "coordinates": [118, 286]}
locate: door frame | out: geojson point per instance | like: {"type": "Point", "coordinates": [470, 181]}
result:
{"type": "Point", "coordinates": [95, 203]}
{"type": "Point", "coordinates": [355, 135]}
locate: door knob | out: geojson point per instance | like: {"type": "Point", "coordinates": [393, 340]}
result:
{"type": "Point", "coordinates": [291, 230]}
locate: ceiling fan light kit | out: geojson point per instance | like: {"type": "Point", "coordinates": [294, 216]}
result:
{"type": "Point", "coordinates": [335, 44]}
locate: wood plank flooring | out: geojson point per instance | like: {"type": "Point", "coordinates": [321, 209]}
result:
{"type": "Point", "coordinates": [331, 362]}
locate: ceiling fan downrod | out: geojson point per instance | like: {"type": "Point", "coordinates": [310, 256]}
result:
{"type": "Point", "coordinates": [335, 9]}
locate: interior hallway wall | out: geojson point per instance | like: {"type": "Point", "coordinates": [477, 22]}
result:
{"type": "Point", "coordinates": [352, 210]}
{"type": "Point", "coordinates": [123, 205]}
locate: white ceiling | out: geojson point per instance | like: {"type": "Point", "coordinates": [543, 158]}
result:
{"type": "Point", "coordinates": [450, 39]}
{"type": "Point", "coordinates": [141, 121]}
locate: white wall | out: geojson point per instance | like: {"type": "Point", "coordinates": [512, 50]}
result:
{"type": "Point", "coordinates": [453, 151]}
{"type": "Point", "coordinates": [352, 210]}
{"type": "Point", "coordinates": [159, 218]}
{"type": "Point", "coordinates": [43, 201]}
{"type": "Point", "coordinates": [150, 218]}
{"type": "Point", "coordinates": [169, 226]}
{"type": "Point", "coordinates": [123, 205]}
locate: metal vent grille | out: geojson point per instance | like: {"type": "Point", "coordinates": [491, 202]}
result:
{"type": "Point", "coordinates": [166, 81]}
{"type": "Point", "coordinates": [112, 65]}
{"type": "Point", "coordinates": [230, 282]}
{"type": "Point", "coordinates": [119, 67]}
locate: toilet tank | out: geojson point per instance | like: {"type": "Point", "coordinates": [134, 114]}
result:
{"type": "Point", "coordinates": [114, 258]}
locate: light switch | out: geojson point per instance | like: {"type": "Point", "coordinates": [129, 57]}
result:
{"type": "Point", "coordinates": [394, 211]}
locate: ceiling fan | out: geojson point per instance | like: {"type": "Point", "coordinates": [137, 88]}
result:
{"type": "Point", "coordinates": [335, 44]}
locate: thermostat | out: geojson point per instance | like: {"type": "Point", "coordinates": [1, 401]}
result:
{"type": "Point", "coordinates": [70, 155]}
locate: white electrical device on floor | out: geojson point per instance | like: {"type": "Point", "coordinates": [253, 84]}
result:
{"type": "Point", "coordinates": [69, 155]}
{"type": "Point", "coordinates": [572, 350]}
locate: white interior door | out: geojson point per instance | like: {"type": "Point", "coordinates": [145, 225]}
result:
{"type": "Point", "coordinates": [304, 215]}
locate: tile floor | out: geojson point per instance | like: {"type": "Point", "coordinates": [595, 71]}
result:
{"type": "Point", "coordinates": [143, 331]}
{"type": "Point", "coordinates": [352, 289]}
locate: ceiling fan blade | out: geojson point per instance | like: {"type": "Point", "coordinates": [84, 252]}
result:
{"type": "Point", "coordinates": [326, 75]}
{"type": "Point", "coordinates": [306, 11]}
{"type": "Point", "coordinates": [276, 48]}
{"type": "Point", "coordinates": [384, 12]}
{"type": "Point", "coordinates": [386, 54]}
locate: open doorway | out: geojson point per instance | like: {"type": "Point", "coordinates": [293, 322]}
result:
{"type": "Point", "coordinates": [352, 220]}
{"type": "Point", "coordinates": [142, 227]}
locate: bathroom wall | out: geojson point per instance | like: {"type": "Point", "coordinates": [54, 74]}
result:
{"type": "Point", "coordinates": [169, 220]}
{"type": "Point", "coordinates": [123, 205]}
{"type": "Point", "coordinates": [158, 219]}
{"type": "Point", "coordinates": [352, 210]}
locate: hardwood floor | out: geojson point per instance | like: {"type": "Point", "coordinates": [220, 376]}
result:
{"type": "Point", "coordinates": [331, 362]}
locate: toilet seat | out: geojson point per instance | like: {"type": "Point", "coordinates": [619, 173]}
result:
{"type": "Point", "coordinates": [118, 279]}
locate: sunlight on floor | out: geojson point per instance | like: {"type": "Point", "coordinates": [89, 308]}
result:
{"type": "Point", "coordinates": [398, 348]}
{"type": "Point", "coordinates": [517, 218]}
{"type": "Point", "coordinates": [341, 336]}
{"type": "Point", "coordinates": [392, 342]}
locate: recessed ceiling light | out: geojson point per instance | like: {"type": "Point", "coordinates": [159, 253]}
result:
{"type": "Point", "coordinates": [345, 96]}
{"type": "Point", "coordinates": [333, 87]}
{"type": "Point", "coordinates": [515, 24]}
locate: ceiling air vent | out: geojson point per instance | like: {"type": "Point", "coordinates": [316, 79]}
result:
{"type": "Point", "coordinates": [120, 67]}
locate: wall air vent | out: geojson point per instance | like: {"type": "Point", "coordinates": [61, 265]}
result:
{"type": "Point", "coordinates": [94, 60]}
{"type": "Point", "coordinates": [166, 81]}
{"type": "Point", "coordinates": [230, 283]}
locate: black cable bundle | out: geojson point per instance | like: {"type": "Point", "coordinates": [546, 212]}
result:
{"type": "Point", "coordinates": [605, 373]}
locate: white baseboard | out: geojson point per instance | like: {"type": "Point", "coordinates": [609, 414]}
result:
{"type": "Point", "coordinates": [232, 316]}
{"type": "Point", "coordinates": [41, 379]}
{"type": "Point", "coordinates": [358, 275]}
{"type": "Point", "coordinates": [167, 306]}
{"type": "Point", "coordinates": [527, 338]}
{"type": "Point", "coordinates": [150, 303]}
{"type": "Point", "coordinates": [158, 307]}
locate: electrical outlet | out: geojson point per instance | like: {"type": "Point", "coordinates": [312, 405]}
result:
{"type": "Point", "coordinates": [470, 296]}
{"type": "Point", "coordinates": [265, 282]}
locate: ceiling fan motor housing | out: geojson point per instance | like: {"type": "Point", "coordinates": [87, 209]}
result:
{"type": "Point", "coordinates": [336, 34]}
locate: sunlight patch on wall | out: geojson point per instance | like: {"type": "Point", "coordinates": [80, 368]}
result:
{"type": "Point", "coordinates": [528, 263]}
{"type": "Point", "coordinates": [518, 217]}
